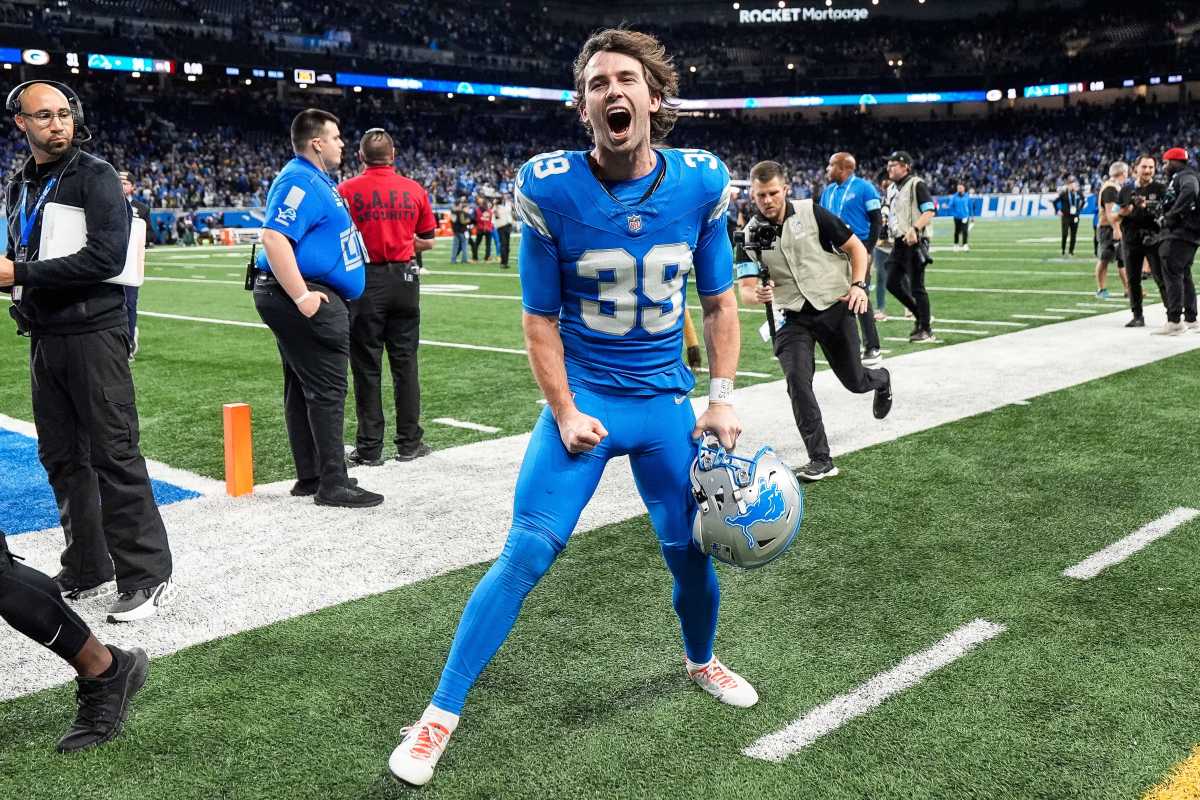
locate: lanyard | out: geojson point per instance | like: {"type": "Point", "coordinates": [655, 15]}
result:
{"type": "Point", "coordinates": [845, 190]}
{"type": "Point", "coordinates": [27, 222]}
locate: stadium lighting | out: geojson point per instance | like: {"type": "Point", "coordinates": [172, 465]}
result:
{"type": "Point", "coordinates": [828, 3]}
{"type": "Point", "coordinates": [900, 62]}
{"type": "Point", "coordinates": [491, 98]}
{"type": "Point", "coordinates": [74, 70]}
{"type": "Point", "coordinates": [782, 4]}
{"type": "Point", "coordinates": [135, 74]}
{"type": "Point", "coordinates": [874, 2]}
{"type": "Point", "coordinates": [450, 95]}
{"type": "Point", "coordinates": [247, 81]}
{"type": "Point", "coordinates": [692, 68]}
{"type": "Point", "coordinates": [191, 78]}
{"type": "Point", "coordinates": [736, 6]}
{"type": "Point", "coordinates": [791, 65]}
{"type": "Point", "coordinates": [302, 85]}
{"type": "Point", "coordinates": [891, 62]}
{"type": "Point", "coordinates": [8, 66]}
{"type": "Point", "coordinates": [357, 89]}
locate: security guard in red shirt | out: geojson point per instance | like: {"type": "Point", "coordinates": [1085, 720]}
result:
{"type": "Point", "coordinates": [396, 221]}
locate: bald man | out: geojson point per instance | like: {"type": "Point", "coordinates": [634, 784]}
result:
{"type": "Point", "coordinates": [857, 203]}
{"type": "Point", "coordinates": [83, 398]}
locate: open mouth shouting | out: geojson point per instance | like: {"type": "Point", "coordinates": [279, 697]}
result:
{"type": "Point", "coordinates": [619, 120]}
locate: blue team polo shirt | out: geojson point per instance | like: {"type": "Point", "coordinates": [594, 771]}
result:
{"type": "Point", "coordinates": [304, 205]}
{"type": "Point", "coordinates": [852, 202]}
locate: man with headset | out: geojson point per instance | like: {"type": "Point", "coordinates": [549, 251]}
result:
{"type": "Point", "coordinates": [83, 399]}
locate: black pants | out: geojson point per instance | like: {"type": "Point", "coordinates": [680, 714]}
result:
{"type": "Point", "coordinates": [505, 232]}
{"type": "Point", "coordinates": [387, 315]}
{"type": "Point", "coordinates": [1135, 253]}
{"type": "Point", "coordinates": [1070, 228]}
{"type": "Point", "coordinates": [315, 352]}
{"type": "Point", "coordinates": [486, 238]}
{"type": "Point", "coordinates": [1176, 256]}
{"type": "Point", "coordinates": [866, 320]}
{"type": "Point", "coordinates": [833, 329]}
{"type": "Point", "coordinates": [961, 228]}
{"type": "Point", "coordinates": [31, 603]}
{"type": "Point", "coordinates": [131, 298]}
{"type": "Point", "coordinates": [87, 424]}
{"type": "Point", "coordinates": [906, 282]}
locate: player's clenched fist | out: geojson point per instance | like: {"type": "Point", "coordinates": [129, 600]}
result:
{"type": "Point", "coordinates": [580, 433]}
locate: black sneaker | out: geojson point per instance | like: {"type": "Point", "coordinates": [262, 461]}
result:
{"type": "Point", "coordinates": [816, 470]}
{"type": "Point", "coordinates": [308, 487]}
{"type": "Point", "coordinates": [1136, 322]}
{"type": "Point", "coordinates": [872, 357]}
{"type": "Point", "coordinates": [357, 459]}
{"type": "Point", "coordinates": [921, 336]}
{"type": "Point", "coordinates": [104, 704]}
{"type": "Point", "coordinates": [883, 400]}
{"type": "Point", "coordinates": [419, 451]}
{"type": "Point", "coordinates": [348, 497]}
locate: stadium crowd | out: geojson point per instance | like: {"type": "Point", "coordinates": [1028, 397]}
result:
{"type": "Point", "coordinates": [510, 42]}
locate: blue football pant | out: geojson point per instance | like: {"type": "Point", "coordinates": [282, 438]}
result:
{"type": "Point", "coordinates": [552, 489]}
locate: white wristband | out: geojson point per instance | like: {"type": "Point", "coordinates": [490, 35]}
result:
{"type": "Point", "coordinates": [302, 298]}
{"type": "Point", "coordinates": [720, 391]}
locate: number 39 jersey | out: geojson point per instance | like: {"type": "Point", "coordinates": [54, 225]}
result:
{"type": "Point", "coordinates": [615, 271]}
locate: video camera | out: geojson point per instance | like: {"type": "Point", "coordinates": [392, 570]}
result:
{"type": "Point", "coordinates": [758, 235]}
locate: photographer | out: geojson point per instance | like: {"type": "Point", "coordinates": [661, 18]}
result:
{"type": "Point", "coordinates": [1180, 236]}
{"type": "Point", "coordinates": [912, 210]}
{"type": "Point", "coordinates": [815, 269]}
{"type": "Point", "coordinates": [83, 398]}
{"type": "Point", "coordinates": [1140, 203]}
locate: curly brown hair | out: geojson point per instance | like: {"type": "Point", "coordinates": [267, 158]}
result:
{"type": "Point", "coordinates": [661, 76]}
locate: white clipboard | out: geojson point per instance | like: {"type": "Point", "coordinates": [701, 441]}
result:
{"type": "Point", "coordinates": [64, 233]}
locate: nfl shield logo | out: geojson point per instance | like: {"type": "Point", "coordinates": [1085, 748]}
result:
{"type": "Point", "coordinates": [635, 222]}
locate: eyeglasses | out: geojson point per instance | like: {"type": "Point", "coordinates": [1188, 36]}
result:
{"type": "Point", "coordinates": [43, 118]}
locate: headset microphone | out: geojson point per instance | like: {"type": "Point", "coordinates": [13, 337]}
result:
{"type": "Point", "coordinates": [82, 133]}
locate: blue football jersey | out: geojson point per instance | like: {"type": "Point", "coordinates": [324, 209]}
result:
{"type": "Point", "coordinates": [615, 272]}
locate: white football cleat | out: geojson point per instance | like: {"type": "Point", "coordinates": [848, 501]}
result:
{"type": "Point", "coordinates": [723, 683]}
{"type": "Point", "coordinates": [415, 757]}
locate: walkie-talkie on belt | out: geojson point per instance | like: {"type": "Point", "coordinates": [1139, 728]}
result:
{"type": "Point", "coordinates": [251, 269]}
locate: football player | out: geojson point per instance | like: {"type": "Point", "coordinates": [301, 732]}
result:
{"type": "Point", "coordinates": [610, 237]}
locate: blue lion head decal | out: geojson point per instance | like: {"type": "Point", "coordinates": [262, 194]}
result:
{"type": "Point", "coordinates": [769, 507]}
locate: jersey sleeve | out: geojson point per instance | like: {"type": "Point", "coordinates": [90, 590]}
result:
{"type": "Point", "coordinates": [871, 197]}
{"type": "Point", "coordinates": [832, 232]}
{"type": "Point", "coordinates": [541, 276]}
{"type": "Point", "coordinates": [713, 257]}
{"type": "Point", "coordinates": [293, 206]}
{"type": "Point", "coordinates": [924, 198]}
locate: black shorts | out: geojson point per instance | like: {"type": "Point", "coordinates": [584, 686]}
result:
{"type": "Point", "coordinates": [1110, 249]}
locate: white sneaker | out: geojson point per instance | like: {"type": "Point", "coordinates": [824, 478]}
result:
{"type": "Point", "coordinates": [1170, 329]}
{"type": "Point", "coordinates": [966, 248]}
{"type": "Point", "coordinates": [418, 753]}
{"type": "Point", "coordinates": [1193, 327]}
{"type": "Point", "coordinates": [141, 604]}
{"type": "Point", "coordinates": [723, 683]}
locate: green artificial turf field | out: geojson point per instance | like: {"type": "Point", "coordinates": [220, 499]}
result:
{"type": "Point", "coordinates": [1088, 693]}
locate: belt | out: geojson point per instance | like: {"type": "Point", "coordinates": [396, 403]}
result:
{"type": "Point", "coordinates": [267, 279]}
{"type": "Point", "coordinates": [391, 264]}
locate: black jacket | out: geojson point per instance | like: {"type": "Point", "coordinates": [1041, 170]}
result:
{"type": "Point", "coordinates": [1181, 218]}
{"type": "Point", "coordinates": [1062, 204]}
{"type": "Point", "coordinates": [67, 295]}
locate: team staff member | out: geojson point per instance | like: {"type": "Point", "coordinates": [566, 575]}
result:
{"type": "Point", "coordinates": [107, 677]}
{"type": "Point", "coordinates": [1180, 237]}
{"type": "Point", "coordinates": [140, 211]}
{"type": "Point", "coordinates": [819, 293]}
{"type": "Point", "coordinates": [312, 265]}
{"type": "Point", "coordinates": [856, 202]}
{"type": "Point", "coordinates": [912, 211]}
{"type": "Point", "coordinates": [960, 212]}
{"type": "Point", "coordinates": [1068, 206]}
{"type": "Point", "coordinates": [502, 218]}
{"type": "Point", "coordinates": [483, 229]}
{"type": "Point", "coordinates": [83, 398]}
{"type": "Point", "coordinates": [1108, 232]}
{"type": "Point", "coordinates": [396, 221]}
{"type": "Point", "coordinates": [1139, 229]}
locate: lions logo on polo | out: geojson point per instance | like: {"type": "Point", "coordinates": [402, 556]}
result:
{"type": "Point", "coordinates": [634, 222]}
{"type": "Point", "coordinates": [767, 507]}
{"type": "Point", "coordinates": [286, 214]}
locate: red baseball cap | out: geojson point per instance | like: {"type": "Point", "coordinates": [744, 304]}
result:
{"type": "Point", "coordinates": [1175, 154]}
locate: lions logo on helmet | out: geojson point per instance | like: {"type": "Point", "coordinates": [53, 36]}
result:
{"type": "Point", "coordinates": [750, 509]}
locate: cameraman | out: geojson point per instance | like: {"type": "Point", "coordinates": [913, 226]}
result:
{"type": "Point", "coordinates": [1180, 236]}
{"type": "Point", "coordinates": [83, 398]}
{"type": "Point", "coordinates": [1140, 202]}
{"type": "Point", "coordinates": [818, 266]}
{"type": "Point", "coordinates": [912, 210]}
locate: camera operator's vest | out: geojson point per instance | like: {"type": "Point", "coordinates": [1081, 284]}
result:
{"type": "Point", "coordinates": [904, 209]}
{"type": "Point", "coordinates": [801, 268]}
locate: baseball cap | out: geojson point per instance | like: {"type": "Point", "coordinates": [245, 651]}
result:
{"type": "Point", "coordinates": [125, 176]}
{"type": "Point", "coordinates": [1175, 154]}
{"type": "Point", "coordinates": [902, 156]}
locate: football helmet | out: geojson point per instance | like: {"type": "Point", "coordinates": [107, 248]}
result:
{"type": "Point", "coordinates": [750, 509]}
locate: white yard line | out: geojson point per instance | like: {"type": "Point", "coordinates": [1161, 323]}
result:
{"type": "Point", "coordinates": [830, 716]}
{"type": "Point", "coordinates": [1001, 323]}
{"type": "Point", "coordinates": [906, 341]}
{"type": "Point", "coordinates": [1038, 316]}
{"type": "Point", "coordinates": [745, 372]}
{"type": "Point", "coordinates": [940, 329]}
{"type": "Point", "coordinates": [471, 426]}
{"type": "Point", "coordinates": [248, 562]}
{"type": "Point", "coordinates": [1122, 549]}
{"type": "Point", "coordinates": [1069, 311]}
